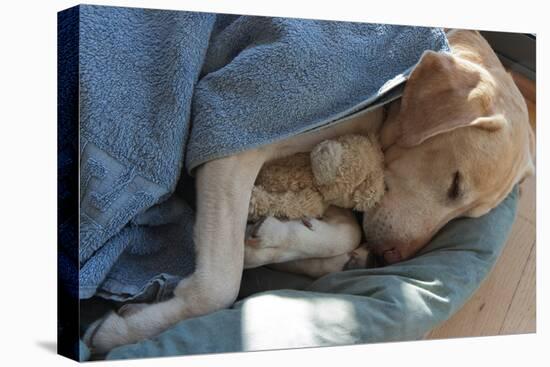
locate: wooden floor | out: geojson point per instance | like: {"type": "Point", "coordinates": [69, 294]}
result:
{"type": "Point", "coordinates": [506, 301]}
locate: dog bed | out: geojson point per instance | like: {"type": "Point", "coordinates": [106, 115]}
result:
{"type": "Point", "coordinates": [399, 302]}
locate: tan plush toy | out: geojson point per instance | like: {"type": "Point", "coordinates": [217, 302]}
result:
{"type": "Point", "coordinates": [347, 172]}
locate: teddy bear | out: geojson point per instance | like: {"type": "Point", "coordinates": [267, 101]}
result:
{"type": "Point", "coordinates": [347, 171]}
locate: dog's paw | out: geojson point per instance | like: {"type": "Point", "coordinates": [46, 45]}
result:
{"type": "Point", "coordinates": [358, 258]}
{"type": "Point", "coordinates": [266, 241]}
{"type": "Point", "coordinates": [116, 329]}
{"type": "Point", "coordinates": [251, 238]}
{"type": "Point", "coordinates": [268, 232]}
{"type": "Point", "coordinates": [107, 333]}
{"type": "Point", "coordinates": [307, 222]}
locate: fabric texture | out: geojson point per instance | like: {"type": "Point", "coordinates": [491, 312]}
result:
{"type": "Point", "coordinates": [138, 69]}
{"type": "Point", "coordinates": [394, 303]}
{"type": "Point", "coordinates": [163, 90]}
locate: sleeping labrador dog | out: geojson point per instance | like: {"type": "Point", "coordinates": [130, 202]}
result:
{"type": "Point", "coordinates": [426, 149]}
{"type": "Point", "coordinates": [455, 145]}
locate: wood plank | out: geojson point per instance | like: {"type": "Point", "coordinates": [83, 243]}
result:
{"type": "Point", "coordinates": [521, 316]}
{"type": "Point", "coordinates": [485, 312]}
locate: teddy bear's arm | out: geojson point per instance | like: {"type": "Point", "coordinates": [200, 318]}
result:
{"type": "Point", "coordinates": [326, 158]}
{"type": "Point", "coordinates": [289, 205]}
{"type": "Point", "coordinates": [291, 173]}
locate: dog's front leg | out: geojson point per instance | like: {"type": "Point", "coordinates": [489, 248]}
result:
{"type": "Point", "coordinates": [223, 193]}
{"type": "Point", "coordinates": [224, 187]}
{"type": "Point", "coordinates": [275, 241]}
{"type": "Point", "coordinates": [318, 267]}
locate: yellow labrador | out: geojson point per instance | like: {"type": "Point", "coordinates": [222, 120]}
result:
{"type": "Point", "coordinates": [455, 145]}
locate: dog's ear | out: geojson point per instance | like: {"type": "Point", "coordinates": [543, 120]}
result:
{"type": "Point", "coordinates": [443, 94]}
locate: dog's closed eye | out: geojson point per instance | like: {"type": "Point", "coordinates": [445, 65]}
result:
{"type": "Point", "coordinates": [455, 189]}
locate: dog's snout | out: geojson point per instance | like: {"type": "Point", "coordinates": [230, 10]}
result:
{"type": "Point", "coordinates": [388, 253]}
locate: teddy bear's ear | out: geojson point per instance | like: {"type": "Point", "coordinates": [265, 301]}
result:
{"type": "Point", "coordinates": [326, 157]}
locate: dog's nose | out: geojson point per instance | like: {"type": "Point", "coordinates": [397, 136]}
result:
{"type": "Point", "coordinates": [390, 254]}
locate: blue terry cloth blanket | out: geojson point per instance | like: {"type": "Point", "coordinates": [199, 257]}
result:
{"type": "Point", "coordinates": [163, 90]}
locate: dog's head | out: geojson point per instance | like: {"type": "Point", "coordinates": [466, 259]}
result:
{"type": "Point", "coordinates": [455, 145]}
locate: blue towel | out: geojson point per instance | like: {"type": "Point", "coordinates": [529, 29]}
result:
{"type": "Point", "coordinates": [163, 90]}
